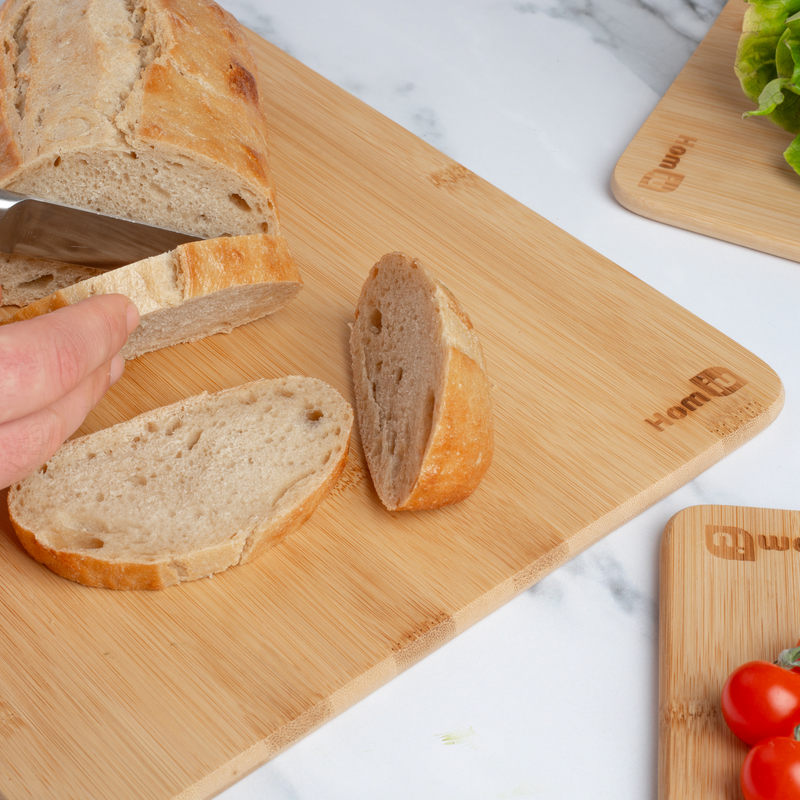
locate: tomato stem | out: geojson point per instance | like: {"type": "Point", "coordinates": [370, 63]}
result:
{"type": "Point", "coordinates": [790, 658]}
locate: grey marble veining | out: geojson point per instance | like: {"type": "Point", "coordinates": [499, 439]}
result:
{"type": "Point", "coordinates": [653, 38]}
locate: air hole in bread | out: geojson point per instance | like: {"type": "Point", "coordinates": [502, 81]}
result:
{"type": "Point", "coordinates": [379, 366]}
{"type": "Point", "coordinates": [87, 543]}
{"type": "Point", "coordinates": [193, 439]}
{"type": "Point", "coordinates": [327, 457]}
{"type": "Point", "coordinates": [139, 480]}
{"type": "Point", "coordinates": [375, 320]}
{"type": "Point", "coordinates": [57, 162]}
{"type": "Point", "coordinates": [375, 390]}
{"type": "Point", "coordinates": [37, 284]}
{"type": "Point", "coordinates": [152, 427]}
{"type": "Point", "coordinates": [159, 190]}
{"type": "Point", "coordinates": [173, 426]}
{"type": "Point", "coordinates": [314, 415]}
{"type": "Point", "coordinates": [100, 497]}
{"type": "Point", "coordinates": [284, 392]}
{"type": "Point", "coordinates": [90, 456]}
{"type": "Point", "coordinates": [240, 202]}
{"type": "Point", "coordinates": [399, 374]}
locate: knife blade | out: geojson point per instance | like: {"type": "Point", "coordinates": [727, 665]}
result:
{"type": "Point", "coordinates": [40, 228]}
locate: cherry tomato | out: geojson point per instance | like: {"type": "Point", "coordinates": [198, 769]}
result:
{"type": "Point", "coordinates": [771, 770]}
{"type": "Point", "coordinates": [761, 700]}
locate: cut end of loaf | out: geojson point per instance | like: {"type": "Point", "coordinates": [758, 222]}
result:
{"type": "Point", "coordinates": [422, 396]}
{"type": "Point", "coordinates": [187, 490]}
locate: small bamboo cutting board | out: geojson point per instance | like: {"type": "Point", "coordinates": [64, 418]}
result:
{"type": "Point", "coordinates": [730, 593]}
{"type": "Point", "coordinates": [698, 165]}
{"type": "Point", "coordinates": [607, 396]}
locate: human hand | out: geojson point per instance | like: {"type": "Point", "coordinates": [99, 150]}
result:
{"type": "Point", "coordinates": [53, 370]}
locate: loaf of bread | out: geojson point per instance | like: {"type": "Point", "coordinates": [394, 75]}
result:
{"type": "Point", "coordinates": [143, 109]}
{"type": "Point", "coordinates": [186, 490]}
{"type": "Point", "coordinates": [200, 288]}
{"type": "Point", "coordinates": [421, 391]}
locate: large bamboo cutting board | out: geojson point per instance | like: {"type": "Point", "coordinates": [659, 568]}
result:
{"type": "Point", "coordinates": [697, 164]}
{"type": "Point", "coordinates": [607, 396]}
{"type": "Point", "coordinates": [730, 593]}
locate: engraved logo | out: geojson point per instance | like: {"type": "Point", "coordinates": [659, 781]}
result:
{"type": "Point", "coordinates": [737, 544]}
{"type": "Point", "coordinates": [724, 541]}
{"type": "Point", "coordinates": [664, 178]}
{"type": "Point", "coordinates": [714, 382]}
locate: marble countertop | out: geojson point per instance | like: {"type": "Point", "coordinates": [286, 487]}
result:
{"type": "Point", "coordinates": [554, 696]}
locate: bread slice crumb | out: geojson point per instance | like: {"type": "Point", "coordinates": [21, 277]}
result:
{"type": "Point", "coordinates": [422, 395]}
{"type": "Point", "coordinates": [186, 490]}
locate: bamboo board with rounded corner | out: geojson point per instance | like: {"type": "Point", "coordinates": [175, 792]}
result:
{"type": "Point", "coordinates": [729, 593]}
{"type": "Point", "coordinates": [697, 164]}
{"type": "Point", "coordinates": [607, 396]}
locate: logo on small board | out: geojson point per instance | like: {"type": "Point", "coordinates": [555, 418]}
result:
{"type": "Point", "coordinates": [737, 544]}
{"type": "Point", "coordinates": [664, 178]}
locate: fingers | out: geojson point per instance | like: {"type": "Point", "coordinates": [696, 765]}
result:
{"type": "Point", "coordinates": [46, 358]}
{"type": "Point", "coordinates": [30, 441]}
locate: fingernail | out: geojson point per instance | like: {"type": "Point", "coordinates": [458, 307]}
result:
{"type": "Point", "coordinates": [116, 369]}
{"type": "Point", "coordinates": [133, 318]}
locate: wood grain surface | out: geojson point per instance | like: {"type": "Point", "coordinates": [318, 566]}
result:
{"type": "Point", "coordinates": [607, 397]}
{"type": "Point", "coordinates": [729, 593]}
{"type": "Point", "coordinates": [697, 164]}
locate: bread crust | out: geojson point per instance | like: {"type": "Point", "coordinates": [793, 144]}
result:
{"type": "Point", "coordinates": [171, 569]}
{"type": "Point", "coordinates": [460, 445]}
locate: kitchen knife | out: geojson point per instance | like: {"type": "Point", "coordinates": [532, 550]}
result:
{"type": "Point", "coordinates": [30, 226]}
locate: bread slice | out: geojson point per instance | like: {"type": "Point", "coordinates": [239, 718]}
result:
{"type": "Point", "coordinates": [188, 489]}
{"type": "Point", "coordinates": [422, 395]}
{"type": "Point", "coordinates": [198, 289]}
{"type": "Point", "coordinates": [144, 109]}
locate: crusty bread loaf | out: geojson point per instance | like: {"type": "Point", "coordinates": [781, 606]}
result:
{"type": "Point", "coordinates": [421, 391]}
{"type": "Point", "coordinates": [186, 490]}
{"type": "Point", "coordinates": [198, 289]}
{"type": "Point", "coordinates": [144, 109]}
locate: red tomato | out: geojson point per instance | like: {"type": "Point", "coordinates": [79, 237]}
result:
{"type": "Point", "coordinates": [761, 700]}
{"type": "Point", "coordinates": [771, 770]}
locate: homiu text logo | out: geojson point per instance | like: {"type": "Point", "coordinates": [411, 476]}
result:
{"type": "Point", "coordinates": [737, 544]}
{"type": "Point", "coordinates": [665, 179]}
{"type": "Point", "coordinates": [711, 383]}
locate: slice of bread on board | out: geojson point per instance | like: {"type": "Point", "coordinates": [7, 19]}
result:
{"type": "Point", "coordinates": [198, 289]}
{"type": "Point", "coordinates": [186, 490]}
{"type": "Point", "coordinates": [143, 109]}
{"type": "Point", "coordinates": [422, 395]}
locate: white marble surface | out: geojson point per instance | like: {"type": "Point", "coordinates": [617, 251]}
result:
{"type": "Point", "coordinates": [553, 696]}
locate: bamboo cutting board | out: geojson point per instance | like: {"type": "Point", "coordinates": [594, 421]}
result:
{"type": "Point", "coordinates": [697, 164]}
{"type": "Point", "coordinates": [607, 396]}
{"type": "Point", "coordinates": [730, 593]}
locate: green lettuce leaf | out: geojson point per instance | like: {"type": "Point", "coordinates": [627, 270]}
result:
{"type": "Point", "coordinates": [768, 65]}
{"type": "Point", "coordinates": [792, 154]}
